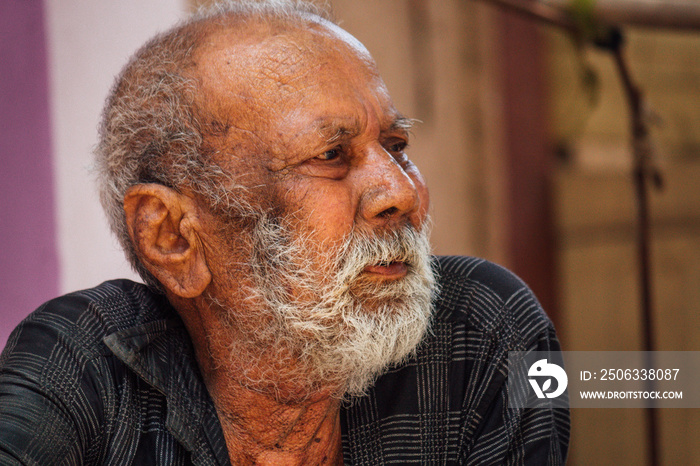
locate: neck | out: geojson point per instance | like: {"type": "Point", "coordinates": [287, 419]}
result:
{"type": "Point", "coordinates": [260, 429]}
{"type": "Point", "coordinates": [270, 424]}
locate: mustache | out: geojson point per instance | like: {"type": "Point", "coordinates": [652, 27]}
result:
{"type": "Point", "coordinates": [276, 247]}
{"type": "Point", "coordinates": [360, 250]}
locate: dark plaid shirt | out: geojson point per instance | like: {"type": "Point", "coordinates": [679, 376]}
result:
{"type": "Point", "coordinates": [108, 376]}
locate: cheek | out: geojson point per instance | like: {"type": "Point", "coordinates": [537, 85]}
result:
{"type": "Point", "coordinates": [327, 212]}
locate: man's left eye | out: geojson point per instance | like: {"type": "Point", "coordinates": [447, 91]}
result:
{"type": "Point", "coordinates": [397, 147]}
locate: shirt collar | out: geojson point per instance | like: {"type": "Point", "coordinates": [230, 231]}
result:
{"type": "Point", "coordinates": [161, 353]}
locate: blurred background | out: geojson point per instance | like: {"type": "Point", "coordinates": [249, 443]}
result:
{"type": "Point", "coordinates": [524, 142]}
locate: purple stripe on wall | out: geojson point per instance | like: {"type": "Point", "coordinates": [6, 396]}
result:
{"type": "Point", "coordinates": [28, 259]}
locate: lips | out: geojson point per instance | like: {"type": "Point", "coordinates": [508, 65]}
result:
{"type": "Point", "coordinates": [387, 270]}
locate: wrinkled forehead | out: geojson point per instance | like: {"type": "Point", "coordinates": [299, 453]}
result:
{"type": "Point", "coordinates": [304, 33]}
{"type": "Point", "coordinates": [245, 72]}
{"type": "Point", "coordinates": [273, 39]}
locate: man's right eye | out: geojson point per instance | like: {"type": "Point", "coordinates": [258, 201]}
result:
{"type": "Point", "coordinates": [331, 154]}
{"type": "Point", "coordinates": [332, 163]}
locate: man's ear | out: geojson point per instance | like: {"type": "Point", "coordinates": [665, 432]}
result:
{"type": "Point", "coordinates": [163, 226]}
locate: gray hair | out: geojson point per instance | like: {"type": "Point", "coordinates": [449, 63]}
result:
{"type": "Point", "coordinates": [152, 130]}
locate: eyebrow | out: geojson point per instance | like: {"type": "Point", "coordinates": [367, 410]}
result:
{"type": "Point", "coordinates": [340, 132]}
{"type": "Point", "coordinates": [402, 123]}
{"type": "Point", "coordinates": [336, 129]}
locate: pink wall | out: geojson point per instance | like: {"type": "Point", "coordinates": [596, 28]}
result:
{"type": "Point", "coordinates": [28, 262]}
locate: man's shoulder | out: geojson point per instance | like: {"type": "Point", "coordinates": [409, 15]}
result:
{"type": "Point", "coordinates": [116, 304]}
{"type": "Point", "coordinates": [489, 297]}
{"type": "Point", "coordinates": [83, 318]}
{"type": "Point", "coordinates": [472, 274]}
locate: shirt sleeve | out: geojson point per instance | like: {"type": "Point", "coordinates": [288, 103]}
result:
{"type": "Point", "coordinates": [530, 436]}
{"type": "Point", "coordinates": [49, 403]}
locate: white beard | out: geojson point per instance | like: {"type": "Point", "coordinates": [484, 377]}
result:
{"type": "Point", "coordinates": [335, 328]}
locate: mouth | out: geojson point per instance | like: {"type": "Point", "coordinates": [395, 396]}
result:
{"type": "Point", "coordinates": [387, 270]}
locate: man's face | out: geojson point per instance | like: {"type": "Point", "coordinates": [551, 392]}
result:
{"type": "Point", "coordinates": [326, 139]}
{"type": "Point", "coordinates": [338, 266]}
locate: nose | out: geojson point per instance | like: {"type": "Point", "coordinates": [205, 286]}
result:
{"type": "Point", "coordinates": [391, 193]}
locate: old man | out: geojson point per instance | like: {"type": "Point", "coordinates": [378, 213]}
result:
{"type": "Point", "coordinates": [253, 167]}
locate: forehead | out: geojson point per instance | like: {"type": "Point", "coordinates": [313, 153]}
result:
{"type": "Point", "coordinates": [277, 46]}
{"type": "Point", "coordinates": [272, 82]}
